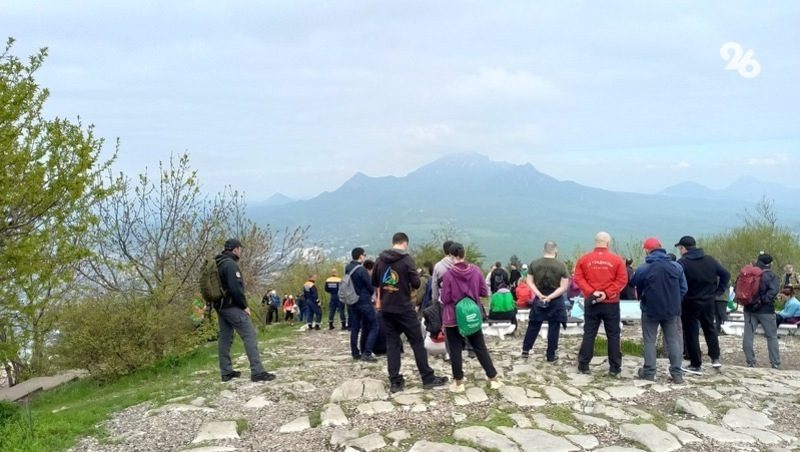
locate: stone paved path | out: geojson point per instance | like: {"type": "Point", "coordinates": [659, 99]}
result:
{"type": "Point", "coordinates": [323, 400]}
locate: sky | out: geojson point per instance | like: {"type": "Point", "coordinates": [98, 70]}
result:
{"type": "Point", "coordinates": [297, 96]}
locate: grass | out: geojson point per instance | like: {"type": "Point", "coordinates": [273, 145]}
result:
{"type": "Point", "coordinates": [315, 418]}
{"type": "Point", "coordinates": [88, 403]}
{"type": "Point", "coordinates": [559, 413]}
{"type": "Point", "coordinates": [629, 347]}
{"type": "Point", "coordinates": [241, 425]}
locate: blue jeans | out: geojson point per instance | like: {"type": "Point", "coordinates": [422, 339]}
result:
{"type": "Point", "coordinates": [313, 312]}
{"type": "Point", "coordinates": [336, 305]}
{"type": "Point", "coordinates": [363, 318]}
{"type": "Point", "coordinates": [649, 332]}
{"type": "Point", "coordinates": [231, 319]}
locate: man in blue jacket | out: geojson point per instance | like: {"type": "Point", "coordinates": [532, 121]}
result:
{"type": "Point", "coordinates": [362, 314]}
{"type": "Point", "coordinates": [661, 285]}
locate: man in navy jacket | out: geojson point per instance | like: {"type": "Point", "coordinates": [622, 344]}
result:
{"type": "Point", "coordinates": [661, 285]}
{"type": "Point", "coordinates": [362, 314]}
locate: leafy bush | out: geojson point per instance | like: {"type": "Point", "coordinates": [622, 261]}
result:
{"type": "Point", "coordinates": [111, 337]}
{"type": "Point", "coordinates": [8, 411]}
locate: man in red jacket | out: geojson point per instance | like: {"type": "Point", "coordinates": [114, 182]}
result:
{"type": "Point", "coordinates": [601, 276]}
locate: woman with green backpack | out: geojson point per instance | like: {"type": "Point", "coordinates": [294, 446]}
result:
{"type": "Point", "coordinates": [462, 317]}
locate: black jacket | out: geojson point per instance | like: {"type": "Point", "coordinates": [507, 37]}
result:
{"type": "Point", "coordinates": [768, 289]}
{"type": "Point", "coordinates": [628, 292]}
{"type": "Point", "coordinates": [361, 282]}
{"type": "Point", "coordinates": [395, 276]}
{"type": "Point", "coordinates": [231, 277]}
{"type": "Point", "coordinates": [499, 276]}
{"type": "Point", "coordinates": [705, 277]}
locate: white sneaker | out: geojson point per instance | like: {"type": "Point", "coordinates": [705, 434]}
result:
{"type": "Point", "coordinates": [495, 384]}
{"type": "Point", "coordinates": [457, 388]}
{"type": "Point", "coordinates": [716, 364]}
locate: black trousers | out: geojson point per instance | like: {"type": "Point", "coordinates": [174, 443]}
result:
{"type": "Point", "coordinates": [478, 343]}
{"type": "Point", "coordinates": [272, 313]}
{"type": "Point", "coordinates": [609, 314]}
{"type": "Point", "coordinates": [720, 314]}
{"type": "Point", "coordinates": [394, 324]}
{"type": "Point", "coordinates": [696, 316]}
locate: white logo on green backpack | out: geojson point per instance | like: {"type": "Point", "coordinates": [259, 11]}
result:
{"type": "Point", "coordinates": [469, 317]}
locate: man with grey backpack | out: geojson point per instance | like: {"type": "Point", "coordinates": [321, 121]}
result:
{"type": "Point", "coordinates": [355, 291]}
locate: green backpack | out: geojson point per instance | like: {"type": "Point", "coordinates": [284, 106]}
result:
{"type": "Point", "coordinates": [502, 301]}
{"type": "Point", "coordinates": [469, 317]}
{"type": "Point", "coordinates": [210, 284]}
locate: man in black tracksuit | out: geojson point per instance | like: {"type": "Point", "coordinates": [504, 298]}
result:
{"type": "Point", "coordinates": [234, 314]}
{"type": "Point", "coordinates": [394, 276]}
{"type": "Point", "coordinates": [707, 280]}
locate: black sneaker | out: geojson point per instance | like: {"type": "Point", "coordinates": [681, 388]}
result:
{"type": "Point", "coordinates": [642, 376]}
{"type": "Point", "coordinates": [345, 328]}
{"type": "Point", "coordinates": [436, 381]}
{"type": "Point", "coordinates": [525, 355]}
{"type": "Point", "coordinates": [584, 370]}
{"type": "Point", "coordinates": [369, 358]}
{"type": "Point", "coordinates": [614, 373]}
{"type": "Point", "coordinates": [263, 376]}
{"type": "Point", "coordinates": [232, 375]}
{"type": "Point", "coordinates": [330, 326]}
{"type": "Point", "coordinates": [677, 379]}
{"type": "Point", "coordinates": [316, 327]}
{"type": "Point", "coordinates": [553, 360]}
{"type": "Point", "coordinates": [693, 370]}
{"type": "Point", "coordinates": [356, 357]}
{"type": "Point", "coordinates": [776, 366]}
{"type": "Point", "coordinates": [397, 386]}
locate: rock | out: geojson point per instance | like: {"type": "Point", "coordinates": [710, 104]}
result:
{"type": "Point", "coordinates": [660, 388]}
{"type": "Point", "coordinates": [693, 408]}
{"type": "Point", "coordinates": [585, 441]}
{"type": "Point", "coordinates": [407, 399]}
{"type": "Point", "coordinates": [427, 446]}
{"type": "Point", "coordinates": [590, 420]}
{"type": "Point", "coordinates": [762, 436]}
{"type": "Point", "coordinates": [375, 407]}
{"type": "Point", "coordinates": [683, 437]}
{"type": "Point", "coordinates": [227, 394]}
{"type": "Point", "coordinates": [519, 397]}
{"type": "Point", "coordinates": [332, 415]}
{"type": "Point", "coordinates": [712, 393]}
{"type": "Point", "coordinates": [349, 390]}
{"type": "Point", "coordinates": [297, 425]}
{"type": "Point", "coordinates": [374, 390]}
{"type": "Point", "coordinates": [717, 433]}
{"type": "Point", "coordinates": [641, 414]}
{"type": "Point", "coordinates": [257, 402]}
{"type": "Point", "coordinates": [200, 401]}
{"type": "Point", "coordinates": [460, 400]}
{"type": "Point", "coordinates": [520, 420]}
{"type": "Point", "coordinates": [398, 435]}
{"type": "Point", "coordinates": [745, 418]}
{"type": "Point", "coordinates": [556, 395]}
{"type": "Point", "coordinates": [367, 443]}
{"type": "Point", "coordinates": [212, 431]}
{"type": "Point", "coordinates": [624, 392]}
{"type": "Point", "coordinates": [538, 440]}
{"type": "Point", "coordinates": [302, 386]}
{"type": "Point", "coordinates": [419, 408]}
{"type": "Point", "coordinates": [613, 412]}
{"type": "Point", "coordinates": [485, 438]}
{"type": "Point", "coordinates": [650, 436]}
{"type": "Point", "coordinates": [619, 449]}
{"type": "Point", "coordinates": [211, 449]}
{"type": "Point", "coordinates": [178, 407]}
{"type": "Point", "coordinates": [341, 436]}
{"type": "Point", "coordinates": [548, 424]}
{"type": "Point", "coordinates": [476, 395]}
{"type": "Point", "coordinates": [459, 417]}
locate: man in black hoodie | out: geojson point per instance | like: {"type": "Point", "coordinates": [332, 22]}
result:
{"type": "Point", "coordinates": [707, 279]}
{"type": "Point", "coordinates": [762, 312]}
{"type": "Point", "coordinates": [234, 314]}
{"type": "Point", "coordinates": [394, 276]}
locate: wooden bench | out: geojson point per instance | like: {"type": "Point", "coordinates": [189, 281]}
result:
{"type": "Point", "coordinates": [737, 329]}
{"type": "Point", "coordinates": [499, 328]}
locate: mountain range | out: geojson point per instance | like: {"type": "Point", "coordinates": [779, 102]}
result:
{"type": "Point", "coordinates": [506, 209]}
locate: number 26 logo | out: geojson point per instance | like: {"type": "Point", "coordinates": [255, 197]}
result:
{"type": "Point", "coordinates": [739, 60]}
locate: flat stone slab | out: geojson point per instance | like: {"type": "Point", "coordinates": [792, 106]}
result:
{"type": "Point", "coordinates": [762, 436]}
{"type": "Point", "coordinates": [745, 418]}
{"type": "Point", "coordinates": [427, 446]}
{"type": "Point", "coordinates": [556, 395]}
{"type": "Point", "coordinates": [587, 442]}
{"type": "Point", "coordinates": [521, 420]}
{"type": "Point", "coordinates": [376, 407]}
{"type": "Point", "coordinates": [398, 435]}
{"type": "Point", "coordinates": [213, 431]}
{"type": "Point", "coordinates": [712, 393]}
{"type": "Point", "coordinates": [683, 437]}
{"type": "Point", "coordinates": [211, 449]}
{"type": "Point", "coordinates": [533, 440]}
{"type": "Point", "coordinates": [619, 449]}
{"type": "Point", "coordinates": [650, 436]}
{"type": "Point", "coordinates": [548, 424]}
{"type": "Point", "coordinates": [341, 436]}
{"type": "Point", "coordinates": [298, 425]}
{"type": "Point", "coordinates": [476, 395]}
{"type": "Point", "coordinates": [360, 389]}
{"type": "Point", "coordinates": [519, 397]}
{"type": "Point", "coordinates": [178, 407]}
{"type": "Point", "coordinates": [257, 402]}
{"type": "Point", "coordinates": [367, 443]}
{"type": "Point", "coordinates": [696, 409]}
{"type": "Point", "coordinates": [332, 415]}
{"type": "Point", "coordinates": [32, 385]}
{"type": "Point", "coordinates": [374, 390]}
{"type": "Point", "coordinates": [485, 438]}
{"type": "Point", "coordinates": [624, 392]}
{"type": "Point", "coordinates": [717, 433]}
{"type": "Point", "coordinates": [408, 399]}
{"type": "Point", "coordinates": [590, 420]}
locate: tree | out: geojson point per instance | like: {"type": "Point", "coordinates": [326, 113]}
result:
{"type": "Point", "coordinates": [514, 260]}
{"type": "Point", "coordinates": [431, 250]}
{"type": "Point", "coordinates": [48, 188]}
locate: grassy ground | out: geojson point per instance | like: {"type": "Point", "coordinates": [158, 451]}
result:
{"type": "Point", "coordinates": [54, 419]}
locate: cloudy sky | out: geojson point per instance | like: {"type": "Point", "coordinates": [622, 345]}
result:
{"type": "Point", "coordinates": [296, 96]}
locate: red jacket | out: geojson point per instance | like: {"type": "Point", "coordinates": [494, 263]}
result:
{"type": "Point", "coordinates": [524, 295]}
{"type": "Point", "coordinates": [601, 270]}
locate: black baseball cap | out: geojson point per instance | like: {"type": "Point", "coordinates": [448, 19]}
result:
{"type": "Point", "coordinates": [687, 241]}
{"type": "Point", "coordinates": [231, 244]}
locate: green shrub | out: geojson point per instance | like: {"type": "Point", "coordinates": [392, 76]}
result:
{"type": "Point", "coordinates": [111, 337]}
{"type": "Point", "coordinates": [8, 411]}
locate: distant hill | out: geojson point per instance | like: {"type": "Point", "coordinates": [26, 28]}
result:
{"type": "Point", "coordinates": [278, 199]}
{"type": "Point", "coordinates": [749, 189]}
{"type": "Point", "coordinates": [505, 208]}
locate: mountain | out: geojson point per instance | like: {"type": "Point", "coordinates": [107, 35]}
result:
{"type": "Point", "coordinates": [278, 199]}
{"type": "Point", "coordinates": [505, 208]}
{"type": "Point", "coordinates": [745, 188]}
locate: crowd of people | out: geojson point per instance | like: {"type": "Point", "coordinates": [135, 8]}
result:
{"type": "Point", "coordinates": [439, 307]}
